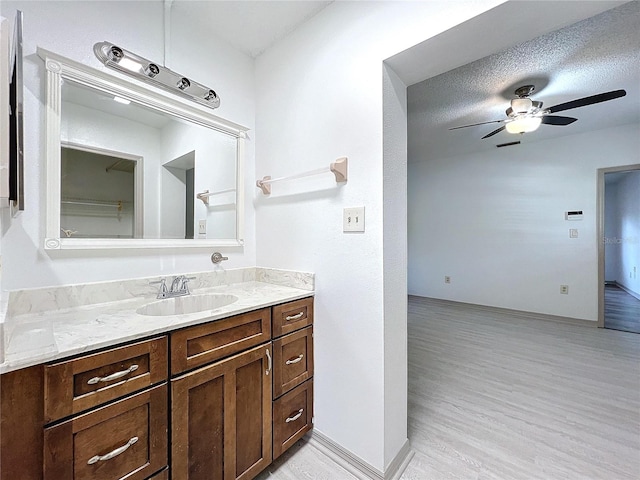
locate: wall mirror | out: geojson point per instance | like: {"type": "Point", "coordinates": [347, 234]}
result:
{"type": "Point", "coordinates": [130, 166]}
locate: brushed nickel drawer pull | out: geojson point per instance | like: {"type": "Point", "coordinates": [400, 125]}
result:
{"type": "Point", "coordinates": [295, 417]}
{"type": "Point", "coordinates": [295, 360]}
{"type": "Point", "coordinates": [294, 317]}
{"type": "Point", "coordinates": [113, 376]}
{"type": "Point", "coordinates": [113, 454]}
{"type": "Point", "coordinates": [268, 358]}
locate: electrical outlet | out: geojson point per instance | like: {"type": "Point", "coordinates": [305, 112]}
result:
{"type": "Point", "coordinates": [202, 227]}
{"type": "Point", "coordinates": [573, 233]}
{"type": "Point", "coordinates": [564, 289]}
{"type": "Point", "coordinates": [447, 279]}
{"type": "Point", "coordinates": [353, 219]}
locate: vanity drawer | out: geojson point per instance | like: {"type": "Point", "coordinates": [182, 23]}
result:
{"type": "Point", "coordinates": [292, 360]}
{"type": "Point", "coordinates": [202, 344]}
{"type": "Point", "coordinates": [126, 439]}
{"type": "Point", "coordinates": [292, 417]}
{"type": "Point", "coordinates": [76, 385]}
{"type": "Point", "coordinates": [292, 316]}
{"type": "Point", "coordinates": [163, 475]}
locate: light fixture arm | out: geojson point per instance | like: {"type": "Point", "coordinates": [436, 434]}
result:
{"type": "Point", "coordinates": [139, 67]}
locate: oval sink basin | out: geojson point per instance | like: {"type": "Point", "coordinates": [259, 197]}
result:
{"type": "Point", "coordinates": [188, 304]}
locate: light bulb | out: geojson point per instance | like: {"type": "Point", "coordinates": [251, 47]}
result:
{"type": "Point", "coordinates": [130, 64]}
{"type": "Point", "coordinates": [523, 124]}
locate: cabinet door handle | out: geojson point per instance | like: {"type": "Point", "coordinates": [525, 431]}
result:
{"type": "Point", "coordinates": [113, 376]}
{"type": "Point", "coordinates": [295, 360]}
{"type": "Point", "coordinates": [269, 365]}
{"type": "Point", "coordinates": [295, 417]}
{"type": "Point", "coordinates": [294, 317]}
{"type": "Point", "coordinates": [112, 454]}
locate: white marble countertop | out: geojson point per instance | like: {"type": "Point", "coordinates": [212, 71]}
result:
{"type": "Point", "coordinates": [34, 338]}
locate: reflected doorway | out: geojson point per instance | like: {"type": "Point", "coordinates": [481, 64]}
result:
{"type": "Point", "coordinates": [99, 194]}
{"type": "Point", "coordinates": [619, 252]}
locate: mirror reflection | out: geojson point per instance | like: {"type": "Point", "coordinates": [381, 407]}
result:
{"type": "Point", "coordinates": [131, 172]}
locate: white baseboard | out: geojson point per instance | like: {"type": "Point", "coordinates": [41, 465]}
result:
{"type": "Point", "coordinates": [515, 313]}
{"type": "Point", "coordinates": [356, 465]}
{"type": "Point", "coordinates": [630, 292]}
{"type": "Point", "coordinates": [399, 464]}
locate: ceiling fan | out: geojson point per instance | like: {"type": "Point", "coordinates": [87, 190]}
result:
{"type": "Point", "coordinates": [526, 115]}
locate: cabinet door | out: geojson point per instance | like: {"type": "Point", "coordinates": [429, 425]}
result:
{"type": "Point", "coordinates": [221, 419]}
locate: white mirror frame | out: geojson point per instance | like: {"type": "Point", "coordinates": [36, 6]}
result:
{"type": "Point", "coordinates": [59, 68]}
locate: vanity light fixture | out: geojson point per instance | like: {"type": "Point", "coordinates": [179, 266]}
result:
{"type": "Point", "coordinates": [139, 67]}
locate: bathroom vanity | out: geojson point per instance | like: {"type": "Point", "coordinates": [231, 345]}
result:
{"type": "Point", "coordinates": [217, 394]}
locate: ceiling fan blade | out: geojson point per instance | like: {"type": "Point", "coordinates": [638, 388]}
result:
{"type": "Point", "coordinates": [583, 102]}
{"type": "Point", "coordinates": [557, 120]}
{"type": "Point", "coordinates": [497, 130]}
{"type": "Point", "coordinates": [476, 124]}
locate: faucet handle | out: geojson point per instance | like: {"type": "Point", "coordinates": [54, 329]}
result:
{"type": "Point", "coordinates": [185, 284]}
{"type": "Point", "coordinates": [162, 291]}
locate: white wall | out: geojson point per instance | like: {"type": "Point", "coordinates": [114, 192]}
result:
{"type": "Point", "coordinates": [623, 236]}
{"type": "Point", "coordinates": [495, 223]}
{"type": "Point", "coordinates": [71, 29]}
{"type": "Point", "coordinates": [320, 97]}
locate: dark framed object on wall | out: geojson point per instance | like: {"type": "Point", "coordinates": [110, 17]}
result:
{"type": "Point", "coordinates": [16, 124]}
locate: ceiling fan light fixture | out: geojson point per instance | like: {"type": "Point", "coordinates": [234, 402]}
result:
{"type": "Point", "coordinates": [523, 124]}
{"type": "Point", "coordinates": [521, 105]}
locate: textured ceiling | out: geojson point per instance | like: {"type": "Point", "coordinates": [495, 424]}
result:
{"type": "Point", "coordinates": [599, 54]}
{"type": "Point", "coordinates": [249, 26]}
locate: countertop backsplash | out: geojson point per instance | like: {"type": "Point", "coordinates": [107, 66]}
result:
{"type": "Point", "coordinates": [38, 300]}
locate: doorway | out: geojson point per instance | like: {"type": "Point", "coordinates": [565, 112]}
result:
{"type": "Point", "coordinates": [619, 248]}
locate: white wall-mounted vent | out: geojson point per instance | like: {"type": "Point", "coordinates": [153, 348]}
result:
{"type": "Point", "coordinates": [573, 215]}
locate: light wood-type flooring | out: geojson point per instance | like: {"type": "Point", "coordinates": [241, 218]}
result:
{"type": "Point", "coordinates": [497, 395]}
{"type": "Point", "coordinates": [621, 310]}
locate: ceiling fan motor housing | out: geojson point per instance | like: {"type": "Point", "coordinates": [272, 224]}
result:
{"type": "Point", "coordinates": [523, 106]}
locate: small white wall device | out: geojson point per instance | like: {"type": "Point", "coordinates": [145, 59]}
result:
{"type": "Point", "coordinates": [573, 215]}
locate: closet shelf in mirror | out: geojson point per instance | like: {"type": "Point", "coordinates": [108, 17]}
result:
{"type": "Point", "coordinates": [91, 207]}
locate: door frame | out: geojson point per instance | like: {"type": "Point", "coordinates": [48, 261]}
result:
{"type": "Point", "coordinates": [600, 231]}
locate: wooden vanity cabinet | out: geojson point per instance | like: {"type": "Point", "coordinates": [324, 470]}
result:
{"type": "Point", "coordinates": [239, 395]}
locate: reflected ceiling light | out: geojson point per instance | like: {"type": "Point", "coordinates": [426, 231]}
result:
{"type": "Point", "coordinates": [138, 67]}
{"type": "Point", "coordinates": [121, 100]}
{"type": "Point", "coordinates": [523, 124]}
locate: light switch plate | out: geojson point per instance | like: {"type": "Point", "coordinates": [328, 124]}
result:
{"type": "Point", "coordinates": [573, 233]}
{"type": "Point", "coordinates": [353, 219]}
{"type": "Point", "coordinates": [202, 227]}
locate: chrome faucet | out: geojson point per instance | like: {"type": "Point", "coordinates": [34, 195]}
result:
{"type": "Point", "coordinates": [179, 287]}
